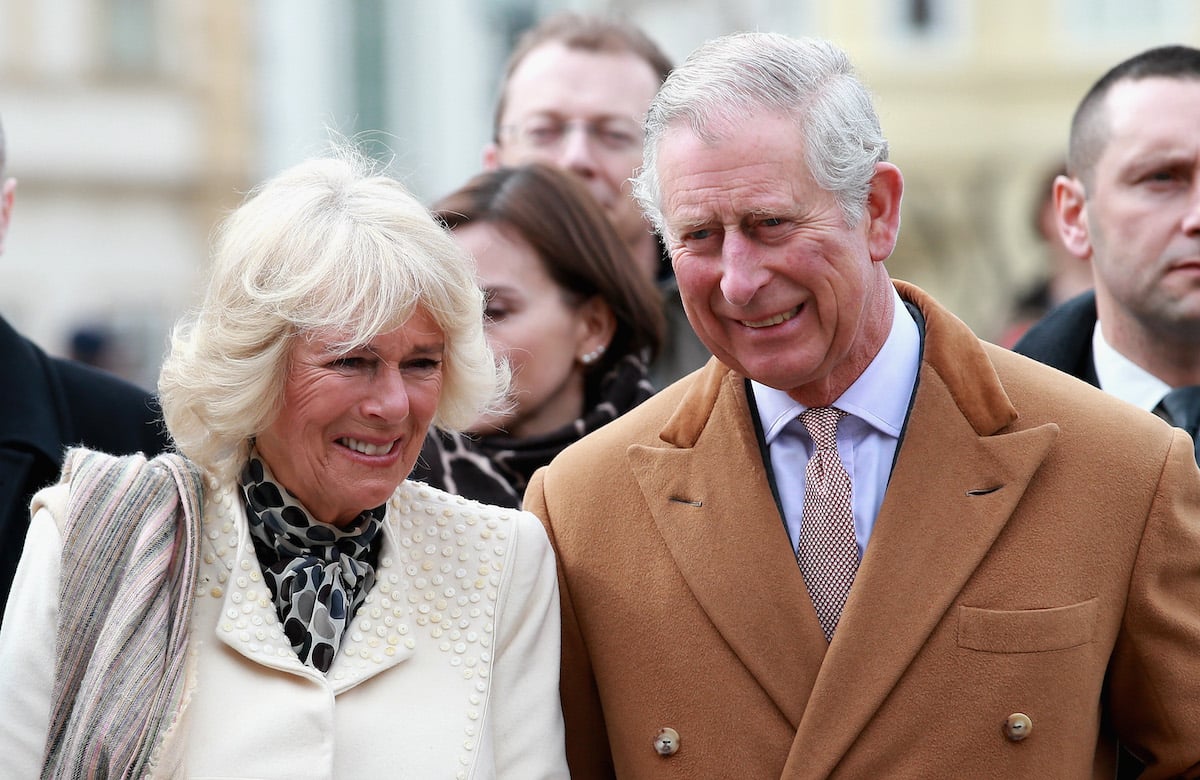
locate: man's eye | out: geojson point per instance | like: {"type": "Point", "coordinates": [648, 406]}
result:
{"type": "Point", "coordinates": [1162, 177]}
{"type": "Point", "coordinates": [698, 235]}
{"type": "Point", "coordinates": [543, 134]}
{"type": "Point", "coordinates": [617, 139]}
{"type": "Point", "coordinates": [771, 222]}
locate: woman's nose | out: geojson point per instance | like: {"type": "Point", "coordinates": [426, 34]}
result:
{"type": "Point", "coordinates": [387, 397]}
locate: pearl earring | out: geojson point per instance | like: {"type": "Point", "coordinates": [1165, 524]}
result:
{"type": "Point", "coordinates": [592, 356]}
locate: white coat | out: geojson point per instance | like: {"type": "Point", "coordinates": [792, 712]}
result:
{"type": "Point", "coordinates": [450, 669]}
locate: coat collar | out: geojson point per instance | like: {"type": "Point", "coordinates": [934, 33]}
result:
{"type": "Point", "coordinates": [380, 636]}
{"type": "Point", "coordinates": [436, 592]}
{"type": "Point", "coordinates": [959, 472]}
{"type": "Point", "coordinates": [950, 349]}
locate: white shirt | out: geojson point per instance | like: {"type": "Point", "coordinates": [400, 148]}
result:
{"type": "Point", "coordinates": [876, 406]}
{"type": "Point", "coordinates": [1123, 378]}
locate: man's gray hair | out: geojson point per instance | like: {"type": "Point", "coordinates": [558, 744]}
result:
{"type": "Point", "coordinates": [812, 81]}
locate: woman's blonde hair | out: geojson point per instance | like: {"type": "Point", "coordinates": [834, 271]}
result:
{"type": "Point", "coordinates": [329, 245]}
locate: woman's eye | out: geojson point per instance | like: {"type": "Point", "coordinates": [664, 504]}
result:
{"type": "Point", "coordinates": [423, 365]}
{"type": "Point", "coordinates": [350, 363]}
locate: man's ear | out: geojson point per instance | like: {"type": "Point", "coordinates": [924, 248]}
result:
{"type": "Point", "coordinates": [883, 210]}
{"type": "Point", "coordinates": [1070, 208]}
{"type": "Point", "coordinates": [491, 156]}
{"type": "Point", "coordinates": [8, 191]}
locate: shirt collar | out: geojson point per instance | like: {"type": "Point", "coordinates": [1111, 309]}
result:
{"type": "Point", "coordinates": [1120, 376]}
{"type": "Point", "coordinates": [873, 397]}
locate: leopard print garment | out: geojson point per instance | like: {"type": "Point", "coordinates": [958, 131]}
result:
{"type": "Point", "coordinates": [496, 469]}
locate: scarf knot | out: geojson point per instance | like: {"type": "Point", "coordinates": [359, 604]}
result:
{"type": "Point", "coordinates": [318, 574]}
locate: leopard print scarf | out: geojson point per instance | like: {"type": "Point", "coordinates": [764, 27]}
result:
{"type": "Point", "coordinates": [496, 469]}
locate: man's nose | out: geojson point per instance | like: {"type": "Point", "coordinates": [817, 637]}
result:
{"type": "Point", "coordinates": [742, 273]}
{"type": "Point", "coordinates": [1191, 217]}
{"type": "Point", "coordinates": [577, 151]}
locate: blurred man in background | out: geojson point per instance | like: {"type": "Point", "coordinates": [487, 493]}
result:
{"type": "Point", "coordinates": [1130, 204]}
{"type": "Point", "coordinates": [1065, 275]}
{"type": "Point", "coordinates": [574, 95]}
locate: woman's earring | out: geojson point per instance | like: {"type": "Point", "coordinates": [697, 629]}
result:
{"type": "Point", "coordinates": [592, 356]}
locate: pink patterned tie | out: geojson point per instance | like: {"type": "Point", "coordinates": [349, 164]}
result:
{"type": "Point", "coordinates": [828, 550]}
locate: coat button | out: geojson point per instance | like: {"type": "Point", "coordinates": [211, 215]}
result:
{"type": "Point", "coordinates": [1018, 726]}
{"type": "Point", "coordinates": [667, 742]}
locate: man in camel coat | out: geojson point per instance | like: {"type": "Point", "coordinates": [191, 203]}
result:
{"type": "Point", "coordinates": [1021, 588]}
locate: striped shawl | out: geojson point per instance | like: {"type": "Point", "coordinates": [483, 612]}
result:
{"type": "Point", "coordinates": [130, 542]}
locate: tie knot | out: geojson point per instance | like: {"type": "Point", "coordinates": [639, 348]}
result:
{"type": "Point", "coordinates": [821, 423]}
{"type": "Point", "coordinates": [1183, 405]}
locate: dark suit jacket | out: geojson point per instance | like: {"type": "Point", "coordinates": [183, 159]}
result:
{"type": "Point", "coordinates": [1035, 554]}
{"type": "Point", "coordinates": [48, 404]}
{"type": "Point", "coordinates": [1063, 338]}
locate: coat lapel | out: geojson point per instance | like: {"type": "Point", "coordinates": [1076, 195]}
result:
{"type": "Point", "coordinates": [713, 506]}
{"type": "Point", "coordinates": [959, 474]}
{"type": "Point", "coordinates": [949, 498]}
{"type": "Point", "coordinates": [247, 600]}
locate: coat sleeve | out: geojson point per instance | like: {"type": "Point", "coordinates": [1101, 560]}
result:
{"type": "Point", "coordinates": [27, 650]}
{"type": "Point", "coordinates": [1155, 667]}
{"type": "Point", "coordinates": [588, 754]}
{"type": "Point", "coordinates": [525, 705]}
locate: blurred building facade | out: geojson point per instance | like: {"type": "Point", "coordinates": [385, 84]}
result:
{"type": "Point", "coordinates": [128, 131]}
{"type": "Point", "coordinates": [134, 125]}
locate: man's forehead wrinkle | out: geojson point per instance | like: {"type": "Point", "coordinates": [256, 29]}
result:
{"type": "Point", "coordinates": [729, 199]}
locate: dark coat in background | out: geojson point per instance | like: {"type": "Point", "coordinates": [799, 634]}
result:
{"type": "Point", "coordinates": [48, 404]}
{"type": "Point", "coordinates": [1063, 338]}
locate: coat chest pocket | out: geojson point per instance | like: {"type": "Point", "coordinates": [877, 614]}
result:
{"type": "Point", "coordinates": [1027, 630]}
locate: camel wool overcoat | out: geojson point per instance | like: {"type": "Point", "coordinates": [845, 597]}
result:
{"type": "Point", "coordinates": [1030, 593]}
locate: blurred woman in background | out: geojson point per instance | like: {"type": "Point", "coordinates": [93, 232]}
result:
{"type": "Point", "coordinates": [567, 308]}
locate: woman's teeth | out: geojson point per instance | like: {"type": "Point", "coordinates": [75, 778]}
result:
{"type": "Point", "coordinates": [365, 448]}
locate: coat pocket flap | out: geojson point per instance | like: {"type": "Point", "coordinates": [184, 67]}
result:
{"type": "Point", "coordinates": [1027, 630]}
